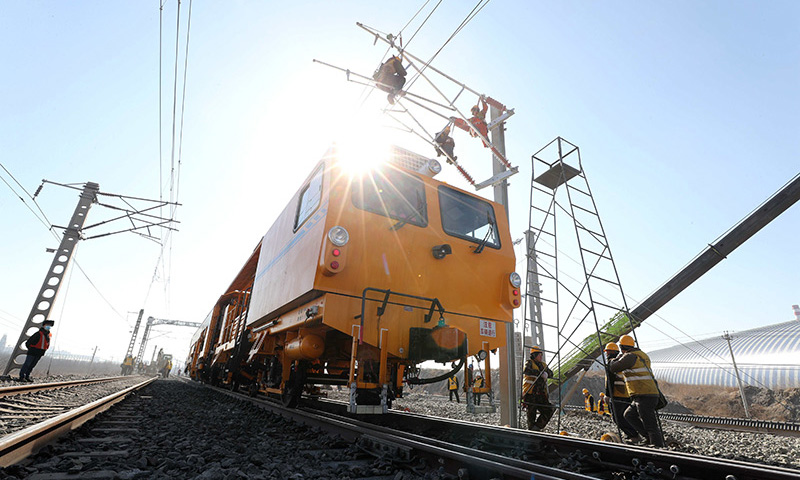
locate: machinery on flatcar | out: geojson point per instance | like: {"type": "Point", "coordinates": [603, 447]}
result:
{"type": "Point", "coordinates": [363, 277]}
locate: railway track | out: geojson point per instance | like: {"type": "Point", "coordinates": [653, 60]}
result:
{"type": "Point", "coordinates": [727, 423]}
{"type": "Point", "coordinates": [570, 454]}
{"type": "Point", "coordinates": [47, 417]}
{"type": "Point", "coordinates": [27, 388]}
{"type": "Point", "coordinates": [737, 424]}
{"type": "Point", "coordinates": [426, 457]}
{"type": "Point", "coordinates": [477, 451]}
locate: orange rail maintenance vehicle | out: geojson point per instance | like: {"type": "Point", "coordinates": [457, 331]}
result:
{"type": "Point", "coordinates": [363, 277]}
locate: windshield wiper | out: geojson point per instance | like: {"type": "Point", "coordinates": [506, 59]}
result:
{"type": "Point", "coordinates": [489, 232]}
{"type": "Point", "coordinates": [421, 206]}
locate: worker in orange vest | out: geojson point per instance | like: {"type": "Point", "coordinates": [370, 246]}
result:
{"type": "Point", "coordinates": [478, 119]}
{"type": "Point", "coordinates": [37, 344]}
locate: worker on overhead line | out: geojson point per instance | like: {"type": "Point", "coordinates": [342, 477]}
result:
{"type": "Point", "coordinates": [620, 399]}
{"type": "Point", "coordinates": [390, 77]}
{"type": "Point", "coordinates": [445, 144]}
{"type": "Point", "coordinates": [535, 398]}
{"type": "Point", "coordinates": [37, 344]}
{"type": "Point", "coordinates": [588, 401]}
{"type": "Point", "coordinates": [634, 365]}
{"type": "Point", "coordinates": [478, 119]}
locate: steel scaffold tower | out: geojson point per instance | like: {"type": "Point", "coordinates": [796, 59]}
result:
{"type": "Point", "coordinates": [573, 286]}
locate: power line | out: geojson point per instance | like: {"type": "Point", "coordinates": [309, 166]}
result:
{"type": "Point", "coordinates": [475, 10]}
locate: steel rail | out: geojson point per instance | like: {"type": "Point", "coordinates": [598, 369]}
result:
{"type": "Point", "coordinates": [455, 459]}
{"type": "Point", "coordinates": [18, 445]}
{"type": "Point", "coordinates": [789, 429]}
{"type": "Point", "coordinates": [38, 387]}
{"type": "Point", "coordinates": [737, 424]}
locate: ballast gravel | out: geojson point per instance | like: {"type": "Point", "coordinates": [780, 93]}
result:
{"type": "Point", "coordinates": [179, 430]}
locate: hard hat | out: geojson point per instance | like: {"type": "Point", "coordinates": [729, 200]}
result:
{"type": "Point", "coordinates": [612, 346]}
{"type": "Point", "coordinates": [536, 350]}
{"type": "Point", "coordinates": [626, 341]}
{"type": "Point", "coordinates": [585, 390]}
{"type": "Point", "coordinates": [475, 109]}
{"type": "Point", "coordinates": [564, 433]}
{"type": "Point", "coordinates": [602, 394]}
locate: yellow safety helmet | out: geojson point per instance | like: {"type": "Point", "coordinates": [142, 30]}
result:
{"type": "Point", "coordinates": [626, 341]}
{"type": "Point", "coordinates": [536, 350]}
{"type": "Point", "coordinates": [602, 394]}
{"type": "Point", "coordinates": [612, 346]}
{"type": "Point", "coordinates": [564, 433]}
{"type": "Point", "coordinates": [585, 390]}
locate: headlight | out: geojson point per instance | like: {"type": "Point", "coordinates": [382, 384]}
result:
{"type": "Point", "coordinates": [338, 236]}
{"type": "Point", "coordinates": [515, 279]}
{"type": "Point", "coordinates": [434, 166]}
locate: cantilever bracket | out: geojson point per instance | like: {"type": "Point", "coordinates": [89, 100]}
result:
{"type": "Point", "coordinates": [502, 118]}
{"type": "Point", "coordinates": [494, 180]}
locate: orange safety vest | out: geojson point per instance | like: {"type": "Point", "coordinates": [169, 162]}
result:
{"type": "Point", "coordinates": [588, 403]}
{"type": "Point", "coordinates": [44, 341]}
{"type": "Point", "coordinates": [602, 406]}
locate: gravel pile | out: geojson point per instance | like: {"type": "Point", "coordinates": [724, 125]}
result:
{"type": "Point", "coordinates": [743, 446]}
{"type": "Point", "coordinates": [21, 411]}
{"type": "Point", "coordinates": [189, 432]}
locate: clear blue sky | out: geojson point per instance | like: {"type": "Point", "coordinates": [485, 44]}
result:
{"type": "Point", "coordinates": [687, 116]}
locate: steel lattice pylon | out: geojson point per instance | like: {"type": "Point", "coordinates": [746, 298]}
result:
{"type": "Point", "coordinates": [573, 286]}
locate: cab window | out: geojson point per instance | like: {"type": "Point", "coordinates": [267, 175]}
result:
{"type": "Point", "coordinates": [309, 199]}
{"type": "Point", "coordinates": [468, 217]}
{"type": "Point", "coordinates": [394, 194]}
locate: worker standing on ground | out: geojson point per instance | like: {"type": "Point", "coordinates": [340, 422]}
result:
{"type": "Point", "coordinates": [37, 344]}
{"type": "Point", "coordinates": [452, 385]}
{"type": "Point", "coordinates": [634, 365]}
{"type": "Point", "coordinates": [602, 405]}
{"type": "Point", "coordinates": [535, 398]}
{"type": "Point", "coordinates": [588, 401]}
{"type": "Point", "coordinates": [476, 396]}
{"type": "Point", "coordinates": [390, 77]}
{"type": "Point", "coordinates": [620, 399]}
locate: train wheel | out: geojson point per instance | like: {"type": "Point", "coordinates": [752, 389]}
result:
{"type": "Point", "coordinates": [294, 388]}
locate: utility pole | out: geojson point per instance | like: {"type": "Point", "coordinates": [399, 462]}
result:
{"type": "Point", "coordinates": [534, 292]}
{"type": "Point", "coordinates": [92, 360]}
{"type": "Point", "coordinates": [53, 280]}
{"type": "Point", "coordinates": [738, 378]}
{"type": "Point", "coordinates": [508, 364]}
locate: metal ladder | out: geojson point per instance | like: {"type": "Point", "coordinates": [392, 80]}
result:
{"type": "Point", "coordinates": [569, 299]}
